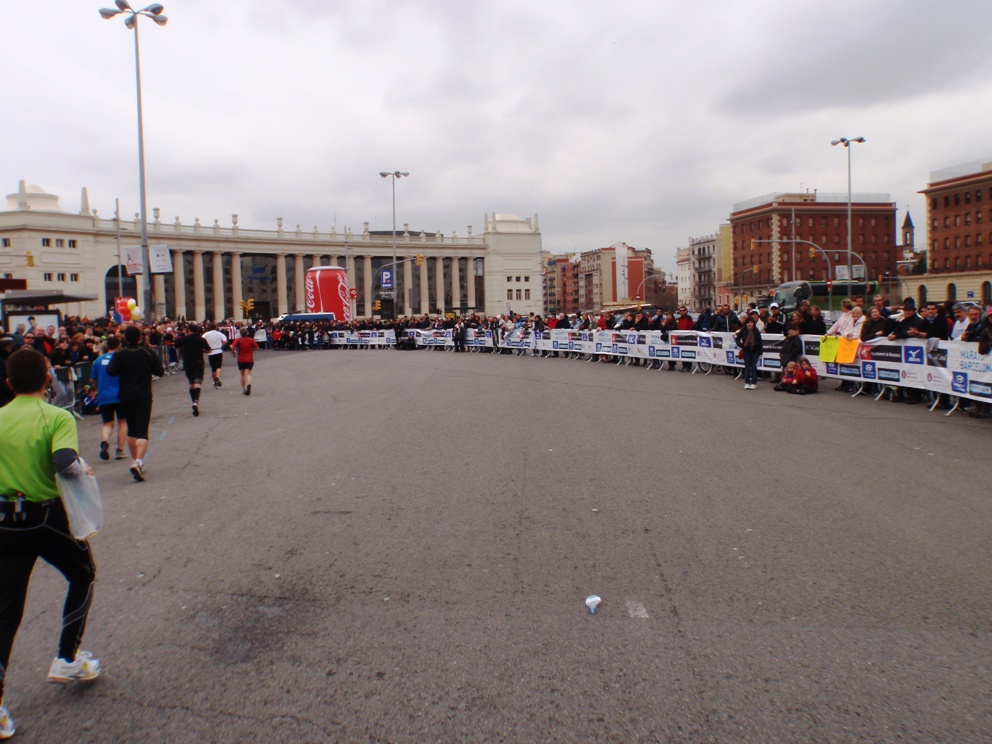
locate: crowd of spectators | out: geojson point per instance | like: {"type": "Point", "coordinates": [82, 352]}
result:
{"type": "Point", "coordinates": [77, 342]}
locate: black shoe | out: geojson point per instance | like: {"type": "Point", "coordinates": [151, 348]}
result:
{"type": "Point", "coordinates": [196, 409]}
{"type": "Point", "coordinates": [248, 389]}
{"type": "Point", "coordinates": [104, 450]}
{"type": "Point", "coordinates": [979, 414]}
{"type": "Point", "coordinates": [138, 472]}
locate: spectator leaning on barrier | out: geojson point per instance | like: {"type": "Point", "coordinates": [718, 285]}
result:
{"type": "Point", "coordinates": [976, 324]}
{"type": "Point", "coordinates": [911, 326]}
{"type": "Point", "coordinates": [960, 320]}
{"type": "Point", "coordinates": [936, 321]}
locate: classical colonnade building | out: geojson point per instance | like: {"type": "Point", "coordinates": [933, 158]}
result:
{"type": "Point", "coordinates": [214, 268]}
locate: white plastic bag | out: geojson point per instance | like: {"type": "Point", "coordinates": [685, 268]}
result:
{"type": "Point", "coordinates": [83, 505]}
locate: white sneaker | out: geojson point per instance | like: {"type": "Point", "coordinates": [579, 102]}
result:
{"type": "Point", "coordinates": [7, 727]}
{"type": "Point", "coordinates": [84, 669]}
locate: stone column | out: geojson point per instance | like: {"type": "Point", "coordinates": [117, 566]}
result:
{"type": "Point", "coordinates": [315, 260]}
{"type": "Point", "coordinates": [470, 281]}
{"type": "Point", "coordinates": [456, 290]}
{"type": "Point", "coordinates": [350, 269]}
{"type": "Point", "coordinates": [218, 273]}
{"type": "Point", "coordinates": [301, 298]}
{"type": "Point", "coordinates": [199, 302]}
{"type": "Point", "coordinates": [439, 281]}
{"type": "Point", "coordinates": [158, 284]}
{"type": "Point", "coordinates": [179, 282]}
{"type": "Point", "coordinates": [367, 265]}
{"type": "Point", "coordinates": [236, 288]}
{"type": "Point", "coordinates": [281, 284]}
{"type": "Point", "coordinates": [407, 287]}
{"type": "Point", "coordinates": [424, 287]}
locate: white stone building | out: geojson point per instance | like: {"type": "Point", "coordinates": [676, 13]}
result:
{"type": "Point", "coordinates": [215, 267]}
{"type": "Point", "coordinates": [683, 273]}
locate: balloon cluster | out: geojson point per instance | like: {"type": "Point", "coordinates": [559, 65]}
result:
{"type": "Point", "coordinates": [127, 309]}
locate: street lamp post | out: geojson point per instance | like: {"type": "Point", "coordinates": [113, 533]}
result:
{"type": "Point", "coordinates": [651, 275]}
{"type": "Point", "coordinates": [847, 145]}
{"type": "Point", "coordinates": [740, 293]}
{"type": "Point", "coordinates": [394, 175]}
{"type": "Point", "coordinates": [154, 12]}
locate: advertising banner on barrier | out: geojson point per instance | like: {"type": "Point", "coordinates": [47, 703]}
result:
{"type": "Point", "coordinates": [949, 367]}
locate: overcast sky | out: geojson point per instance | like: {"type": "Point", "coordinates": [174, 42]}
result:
{"type": "Point", "coordinates": [630, 120]}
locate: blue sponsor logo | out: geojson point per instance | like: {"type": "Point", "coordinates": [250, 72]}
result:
{"type": "Point", "coordinates": [651, 353]}
{"type": "Point", "coordinates": [912, 355]}
{"type": "Point", "coordinates": [631, 338]}
{"type": "Point", "coordinates": [888, 375]}
{"type": "Point", "coordinates": [599, 347]}
{"type": "Point", "coordinates": [664, 353]}
{"type": "Point", "coordinates": [771, 363]}
{"type": "Point", "coordinates": [688, 354]}
{"type": "Point", "coordinates": [847, 370]}
{"type": "Point", "coordinates": [959, 382]}
{"type": "Point", "coordinates": [980, 389]}
{"type": "Point", "coordinates": [705, 341]}
{"type": "Point", "coordinates": [832, 369]}
{"type": "Point", "coordinates": [731, 358]}
{"type": "Point", "coordinates": [868, 370]}
{"type": "Point", "coordinates": [554, 345]}
{"type": "Point", "coordinates": [675, 352]}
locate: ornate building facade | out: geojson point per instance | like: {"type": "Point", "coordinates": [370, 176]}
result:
{"type": "Point", "coordinates": [215, 268]}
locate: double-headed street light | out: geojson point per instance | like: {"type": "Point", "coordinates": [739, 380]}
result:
{"type": "Point", "coordinates": [847, 144]}
{"type": "Point", "coordinates": [154, 12]}
{"type": "Point", "coordinates": [396, 284]}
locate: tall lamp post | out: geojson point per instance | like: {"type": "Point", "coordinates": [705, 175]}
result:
{"type": "Point", "coordinates": [396, 285]}
{"type": "Point", "coordinates": [154, 12]}
{"type": "Point", "coordinates": [847, 145]}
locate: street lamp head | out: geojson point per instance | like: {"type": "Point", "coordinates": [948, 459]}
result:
{"type": "Point", "coordinates": [384, 174]}
{"type": "Point", "coordinates": [401, 175]}
{"type": "Point", "coordinates": [154, 9]}
{"type": "Point", "coordinates": [859, 139]}
{"type": "Point", "coordinates": [108, 13]}
{"type": "Point", "coordinates": [130, 21]}
{"type": "Point", "coordinates": [160, 20]}
{"type": "Point", "coordinates": [122, 4]}
{"type": "Point", "coordinates": [836, 142]}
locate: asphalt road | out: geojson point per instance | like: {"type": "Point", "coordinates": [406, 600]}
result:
{"type": "Point", "coordinates": [387, 546]}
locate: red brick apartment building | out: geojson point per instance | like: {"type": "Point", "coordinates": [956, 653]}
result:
{"type": "Point", "coordinates": [959, 212]}
{"type": "Point", "coordinates": [817, 218]}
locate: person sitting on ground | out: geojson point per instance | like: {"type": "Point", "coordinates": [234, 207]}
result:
{"type": "Point", "coordinates": [806, 381]}
{"type": "Point", "coordinates": [791, 351]}
{"type": "Point", "coordinates": [788, 377]}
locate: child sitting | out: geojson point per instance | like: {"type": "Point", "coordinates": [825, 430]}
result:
{"type": "Point", "coordinates": [806, 381]}
{"type": "Point", "coordinates": [90, 406]}
{"type": "Point", "coordinates": [788, 377]}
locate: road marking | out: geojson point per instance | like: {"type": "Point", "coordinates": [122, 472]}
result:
{"type": "Point", "coordinates": [636, 609]}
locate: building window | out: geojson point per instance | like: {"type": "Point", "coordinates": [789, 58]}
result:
{"type": "Point", "coordinates": [947, 221]}
{"type": "Point", "coordinates": [967, 197]}
{"type": "Point", "coordinates": [60, 277]}
{"type": "Point", "coordinates": [59, 243]}
{"type": "Point", "coordinates": [6, 242]}
{"type": "Point", "coordinates": [509, 294]}
{"type": "Point", "coordinates": [957, 220]}
{"type": "Point", "coordinates": [72, 243]}
{"type": "Point", "coordinates": [978, 195]}
{"type": "Point", "coordinates": [509, 279]}
{"type": "Point", "coordinates": [526, 278]}
{"type": "Point", "coordinates": [47, 277]}
{"type": "Point", "coordinates": [519, 295]}
{"type": "Point", "coordinates": [73, 277]}
{"type": "Point", "coordinates": [46, 242]}
{"type": "Point", "coordinates": [526, 294]}
{"type": "Point", "coordinates": [957, 200]}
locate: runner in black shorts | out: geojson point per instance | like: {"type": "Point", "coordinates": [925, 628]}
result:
{"type": "Point", "coordinates": [192, 346]}
{"type": "Point", "coordinates": [136, 365]}
{"type": "Point", "coordinates": [217, 342]}
{"type": "Point", "coordinates": [244, 349]}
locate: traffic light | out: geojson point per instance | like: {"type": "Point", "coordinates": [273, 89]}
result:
{"type": "Point", "coordinates": [754, 243]}
{"type": "Point", "coordinates": [251, 304]}
{"type": "Point", "coordinates": [244, 306]}
{"type": "Point", "coordinates": [377, 305]}
{"type": "Point", "coordinates": [420, 260]}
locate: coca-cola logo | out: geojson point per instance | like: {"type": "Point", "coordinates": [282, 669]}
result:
{"type": "Point", "coordinates": [344, 294]}
{"type": "Point", "coordinates": [311, 294]}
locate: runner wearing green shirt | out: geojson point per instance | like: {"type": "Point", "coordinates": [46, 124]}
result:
{"type": "Point", "coordinates": [36, 441]}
